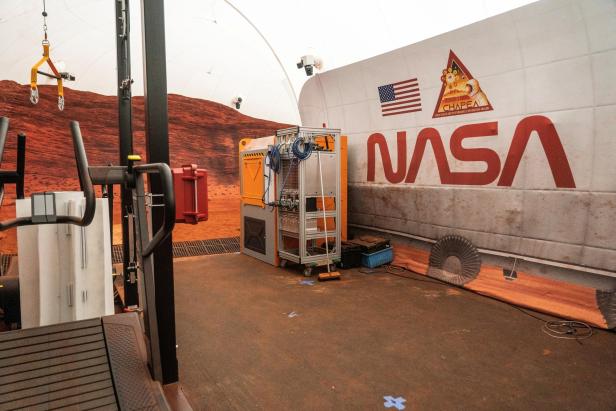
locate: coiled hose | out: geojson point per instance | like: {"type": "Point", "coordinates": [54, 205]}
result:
{"type": "Point", "coordinates": [274, 158]}
{"type": "Point", "coordinates": [273, 155]}
{"type": "Point", "coordinates": [299, 153]}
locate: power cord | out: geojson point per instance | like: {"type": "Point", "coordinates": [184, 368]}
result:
{"type": "Point", "coordinates": [273, 163]}
{"type": "Point", "coordinates": [274, 158]}
{"type": "Point", "coordinates": [397, 271]}
{"type": "Point", "coordinates": [567, 330]}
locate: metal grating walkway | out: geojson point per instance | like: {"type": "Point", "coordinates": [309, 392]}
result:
{"type": "Point", "coordinates": [193, 248]}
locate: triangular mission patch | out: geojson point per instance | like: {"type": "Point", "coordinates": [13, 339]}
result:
{"type": "Point", "coordinates": [460, 91]}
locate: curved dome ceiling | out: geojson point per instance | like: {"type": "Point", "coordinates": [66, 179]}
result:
{"type": "Point", "coordinates": [216, 48]}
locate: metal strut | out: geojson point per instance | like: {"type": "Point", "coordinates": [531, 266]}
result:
{"type": "Point", "coordinates": [59, 76]}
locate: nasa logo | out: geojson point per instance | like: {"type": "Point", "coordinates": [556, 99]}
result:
{"type": "Point", "coordinates": [550, 141]}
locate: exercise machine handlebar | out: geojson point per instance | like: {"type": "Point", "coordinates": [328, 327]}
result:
{"type": "Point", "coordinates": [84, 181]}
{"type": "Point", "coordinates": [84, 176]}
{"type": "Point", "coordinates": [4, 128]}
{"type": "Point", "coordinates": [166, 179]}
{"type": "Point", "coordinates": [127, 176]}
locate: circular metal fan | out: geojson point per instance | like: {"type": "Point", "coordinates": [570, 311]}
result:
{"type": "Point", "coordinates": [606, 300]}
{"type": "Point", "coordinates": [454, 259]}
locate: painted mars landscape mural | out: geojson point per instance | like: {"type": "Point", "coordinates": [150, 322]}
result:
{"type": "Point", "coordinates": [200, 131]}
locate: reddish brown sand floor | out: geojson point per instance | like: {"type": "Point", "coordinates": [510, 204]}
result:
{"type": "Point", "coordinates": [368, 336]}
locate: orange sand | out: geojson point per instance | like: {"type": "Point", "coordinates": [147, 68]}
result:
{"type": "Point", "coordinates": [531, 291]}
{"type": "Point", "coordinates": [224, 219]}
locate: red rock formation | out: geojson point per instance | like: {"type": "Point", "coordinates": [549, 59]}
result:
{"type": "Point", "coordinates": [200, 131]}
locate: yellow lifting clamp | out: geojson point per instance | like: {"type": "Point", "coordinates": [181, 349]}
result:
{"type": "Point", "coordinates": [59, 76]}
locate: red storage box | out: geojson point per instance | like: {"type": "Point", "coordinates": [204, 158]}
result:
{"type": "Point", "coordinates": [190, 186]}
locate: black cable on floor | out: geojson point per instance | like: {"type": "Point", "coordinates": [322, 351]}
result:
{"type": "Point", "coordinates": [568, 330]}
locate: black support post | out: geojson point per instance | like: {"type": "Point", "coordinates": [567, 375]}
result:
{"type": "Point", "coordinates": [108, 191]}
{"type": "Point", "coordinates": [157, 142]}
{"type": "Point", "coordinates": [21, 165]}
{"type": "Point", "coordinates": [126, 134]}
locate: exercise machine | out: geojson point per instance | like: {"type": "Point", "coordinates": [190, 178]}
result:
{"type": "Point", "coordinates": [113, 361]}
{"type": "Point", "coordinates": [139, 353]}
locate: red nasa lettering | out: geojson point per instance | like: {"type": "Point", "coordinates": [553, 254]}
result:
{"type": "Point", "coordinates": [548, 136]}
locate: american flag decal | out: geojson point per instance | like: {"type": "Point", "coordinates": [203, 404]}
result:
{"type": "Point", "coordinates": [399, 98]}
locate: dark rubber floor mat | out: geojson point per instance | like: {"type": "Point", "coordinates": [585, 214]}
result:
{"type": "Point", "coordinates": [59, 366]}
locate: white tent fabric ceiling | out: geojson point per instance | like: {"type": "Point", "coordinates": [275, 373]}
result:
{"type": "Point", "coordinates": [216, 48]}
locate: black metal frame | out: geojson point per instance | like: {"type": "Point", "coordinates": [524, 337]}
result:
{"type": "Point", "coordinates": [12, 176]}
{"type": "Point", "coordinates": [131, 177]}
{"type": "Point", "coordinates": [86, 187]}
{"type": "Point", "coordinates": [122, 9]}
{"type": "Point", "coordinates": [157, 141]}
{"type": "Point", "coordinates": [157, 253]}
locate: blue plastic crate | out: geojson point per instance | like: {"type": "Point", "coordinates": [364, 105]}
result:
{"type": "Point", "coordinates": [384, 256]}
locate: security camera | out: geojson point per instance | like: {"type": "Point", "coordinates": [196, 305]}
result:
{"type": "Point", "coordinates": [307, 62]}
{"type": "Point", "coordinates": [237, 102]}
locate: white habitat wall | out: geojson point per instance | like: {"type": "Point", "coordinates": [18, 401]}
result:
{"type": "Point", "coordinates": [547, 70]}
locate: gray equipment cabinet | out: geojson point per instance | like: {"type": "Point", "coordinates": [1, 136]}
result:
{"type": "Point", "coordinates": [303, 185]}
